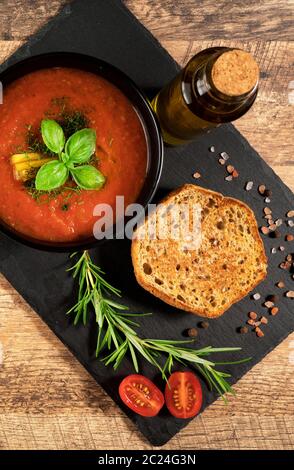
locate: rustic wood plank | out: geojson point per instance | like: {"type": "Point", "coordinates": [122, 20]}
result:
{"type": "Point", "coordinates": [209, 19]}
{"type": "Point", "coordinates": [7, 48]}
{"type": "Point", "coordinates": [20, 19]}
{"type": "Point", "coordinates": [42, 431]}
{"type": "Point", "coordinates": [167, 19]}
{"type": "Point", "coordinates": [48, 400]}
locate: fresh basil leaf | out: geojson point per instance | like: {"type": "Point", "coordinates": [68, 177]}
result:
{"type": "Point", "coordinates": [51, 176]}
{"type": "Point", "coordinates": [52, 135]}
{"type": "Point", "coordinates": [88, 177]}
{"type": "Point", "coordinates": [81, 146]}
{"type": "Point", "coordinates": [64, 158]}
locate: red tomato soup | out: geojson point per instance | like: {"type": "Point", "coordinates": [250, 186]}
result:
{"type": "Point", "coordinates": [121, 151]}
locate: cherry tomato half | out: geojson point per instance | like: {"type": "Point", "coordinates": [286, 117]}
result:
{"type": "Point", "coordinates": [141, 395]}
{"type": "Point", "coordinates": [183, 395]}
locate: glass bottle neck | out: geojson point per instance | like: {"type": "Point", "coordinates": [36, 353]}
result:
{"type": "Point", "coordinates": [203, 85]}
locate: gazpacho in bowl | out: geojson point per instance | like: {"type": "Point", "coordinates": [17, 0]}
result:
{"type": "Point", "coordinates": [72, 137]}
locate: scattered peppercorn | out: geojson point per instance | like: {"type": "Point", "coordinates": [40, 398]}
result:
{"type": "Point", "coordinates": [274, 311]}
{"type": "Point", "coordinates": [261, 189]}
{"type": "Point", "coordinates": [268, 304]}
{"type": "Point", "coordinates": [224, 155]}
{"type": "Point", "coordinates": [243, 330]}
{"type": "Point", "coordinates": [192, 332]}
{"type": "Point", "coordinates": [204, 324]}
{"type": "Point", "coordinates": [249, 186]}
{"type": "Point", "coordinates": [264, 230]}
{"type": "Point", "coordinates": [285, 265]}
{"type": "Point", "coordinates": [289, 238]}
{"type": "Point", "coordinates": [252, 315]}
{"type": "Point", "coordinates": [280, 284]}
{"type": "Point", "coordinates": [259, 332]}
{"type": "Point", "coordinates": [267, 193]}
{"type": "Point", "coordinates": [276, 234]}
{"type": "Point", "coordinates": [273, 298]}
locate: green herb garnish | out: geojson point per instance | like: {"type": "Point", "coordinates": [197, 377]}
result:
{"type": "Point", "coordinates": [116, 330]}
{"type": "Point", "coordinates": [72, 122]}
{"type": "Point", "coordinates": [52, 175]}
{"type": "Point", "coordinates": [35, 144]}
{"type": "Point", "coordinates": [78, 149]}
{"type": "Point", "coordinates": [44, 197]}
{"type": "Point", "coordinates": [53, 136]}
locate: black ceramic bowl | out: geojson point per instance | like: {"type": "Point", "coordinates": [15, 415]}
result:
{"type": "Point", "coordinates": [139, 102]}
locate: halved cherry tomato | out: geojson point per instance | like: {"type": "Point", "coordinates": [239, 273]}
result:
{"type": "Point", "coordinates": [183, 395]}
{"type": "Point", "coordinates": [141, 395]}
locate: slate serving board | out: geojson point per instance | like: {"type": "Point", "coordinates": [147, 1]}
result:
{"type": "Point", "coordinates": [107, 30]}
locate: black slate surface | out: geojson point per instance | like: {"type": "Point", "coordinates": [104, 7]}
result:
{"type": "Point", "coordinates": [105, 29]}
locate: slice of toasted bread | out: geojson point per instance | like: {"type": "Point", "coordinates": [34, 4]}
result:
{"type": "Point", "coordinates": [206, 273]}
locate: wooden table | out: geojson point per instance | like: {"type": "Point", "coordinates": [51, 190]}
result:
{"type": "Point", "coordinates": [47, 399]}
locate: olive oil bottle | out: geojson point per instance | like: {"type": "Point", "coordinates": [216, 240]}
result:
{"type": "Point", "coordinates": [217, 85]}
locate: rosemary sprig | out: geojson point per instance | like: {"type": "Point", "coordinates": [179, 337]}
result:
{"type": "Point", "coordinates": [116, 330]}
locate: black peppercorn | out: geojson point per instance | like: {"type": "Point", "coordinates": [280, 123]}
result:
{"type": "Point", "coordinates": [192, 332]}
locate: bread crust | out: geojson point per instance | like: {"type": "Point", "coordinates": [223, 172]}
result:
{"type": "Point", "coordinates": [178, 303]}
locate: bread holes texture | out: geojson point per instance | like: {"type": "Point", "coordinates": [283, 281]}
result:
{"type": "Point", "coordinates": [229, 263]}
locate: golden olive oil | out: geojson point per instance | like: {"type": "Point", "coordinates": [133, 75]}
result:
{"type": "Point", "coordinates": [217, 85]}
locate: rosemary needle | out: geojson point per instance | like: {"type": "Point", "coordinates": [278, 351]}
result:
{"type": "Point", "coordinates": [116, 330]}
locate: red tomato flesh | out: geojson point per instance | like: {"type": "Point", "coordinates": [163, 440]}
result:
{"type": "Point", "coordinates": [183, 395]}
{"type": "Point", "coordinates": [141, 395]}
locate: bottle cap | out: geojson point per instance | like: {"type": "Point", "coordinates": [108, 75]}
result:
{"type": "Point", "coordinates": [235, 73]}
